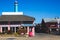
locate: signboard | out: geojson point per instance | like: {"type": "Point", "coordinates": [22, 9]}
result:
{"type": "Point", "coordinates": [12, 13]}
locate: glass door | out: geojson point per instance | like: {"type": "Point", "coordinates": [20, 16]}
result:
{"type": "Point", "coordinates": [4, 29]}
{"type": "Point", "coordinates": [12, 29]}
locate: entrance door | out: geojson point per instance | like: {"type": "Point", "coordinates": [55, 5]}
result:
{"type": "Point", "coordinates": [12, 29]}
{"type": "Point", "coordinates": [17, 28]}
{"type": "Point", "coordinates": [4, 29]}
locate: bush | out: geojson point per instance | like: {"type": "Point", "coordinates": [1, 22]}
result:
{"type": "Point", "coordinates": [9, 32]}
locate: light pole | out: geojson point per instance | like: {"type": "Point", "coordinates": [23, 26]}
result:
{"type": "Point", "coordinates": [58, 25]}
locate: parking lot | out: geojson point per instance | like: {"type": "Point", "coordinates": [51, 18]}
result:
{"type": "Point", "coordinates": [38, 36]}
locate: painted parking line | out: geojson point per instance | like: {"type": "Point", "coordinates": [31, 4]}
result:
{"type": "Point", "coordinates": [11, 39]}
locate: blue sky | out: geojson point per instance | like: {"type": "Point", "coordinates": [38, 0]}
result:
{"type": "Point", "coordinates": [35, 8]}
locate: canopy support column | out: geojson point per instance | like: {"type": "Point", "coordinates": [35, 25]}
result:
{"type": "Point", "coordinates": [0, 28]}
{"type": "Point", "coordinates": [33, 31]}
{"type": "Point", "coordinates": [27, 30]}
{"type": "Point", "coordinates": [15, 29]}
{"type": "Point", "coordinates": [8, 26]}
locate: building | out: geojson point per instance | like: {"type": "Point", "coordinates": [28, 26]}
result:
{"type": "Point", "coordinates": [53, 25]}
{"type": "Point", "coordinates": [12, 21]}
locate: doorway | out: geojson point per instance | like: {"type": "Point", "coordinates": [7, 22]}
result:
{"type": "Point", "coordinates": [4, 29]}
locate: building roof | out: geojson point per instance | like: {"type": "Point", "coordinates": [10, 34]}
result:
{"type": "Point", "coordinates": [16, 18]}
{"type": "Point", "coordinates": [51, 20]}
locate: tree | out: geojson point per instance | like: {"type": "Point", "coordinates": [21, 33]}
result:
{"type": "Point", "coordinates": [37, 28]}
{"type": "Point", "coordinates": [44, 28]}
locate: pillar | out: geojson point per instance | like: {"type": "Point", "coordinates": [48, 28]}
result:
{"type": "Point", "coordinates": [33, 31]}
{"type": "Point", "coordinates": [50, 29]}
{"type": "Point", "coordinates": [0, 29]}
{"type": "Point", "coordinates": [15, 29]}
{"type": "Point", "coordinates": [8, 26]}
{"type": "Point", "coordinates": [58, 23]}
{"type": "Point", "coordinates": [28, 30]}
{"type": "Point", "coordinates": [57, 29]}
